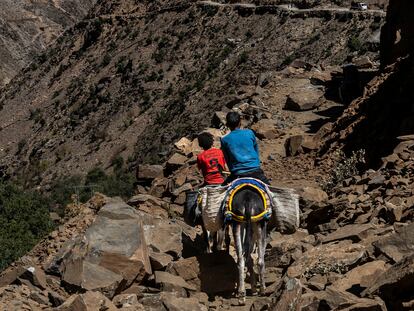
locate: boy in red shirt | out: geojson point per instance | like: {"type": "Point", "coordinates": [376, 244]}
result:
{"type": "Point", "coordinates": [211, 161]}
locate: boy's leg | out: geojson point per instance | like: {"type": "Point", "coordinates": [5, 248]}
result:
{"type": "Point", "coordinates": [259, 174]}
{"type": "Point", "coordinates": [229, 180]}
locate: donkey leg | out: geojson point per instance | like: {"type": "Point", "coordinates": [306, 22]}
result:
{"type": "Point", "coordinates": [227, 239]}
{"type": "Point", "coordinates": [261, 239]}
{"type": "Point", "coordinates": [250, 260]}
{"type": "Point", "coordinates": [250, 267]}
{"type": "Point", "coordinates": [218, 240]}
{"type": "Point", "coordinates": [206, 237]}
{"type": "Point", "coordinates": [240, 262]}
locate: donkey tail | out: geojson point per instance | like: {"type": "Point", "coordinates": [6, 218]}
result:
{"type": "Point", "coordinates": [248, 211]}
{"type": "Point", "coordinates": [249, 206]}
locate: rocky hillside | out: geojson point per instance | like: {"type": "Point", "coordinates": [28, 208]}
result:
{"type": "Point", "coordinates": [354, 249]}
{"type": "Point", "coordinates": [374, 121]}
{"type": "Point", "coordinates": [133, 78]}
{"type": "Point", "coordinates": [28, 27]}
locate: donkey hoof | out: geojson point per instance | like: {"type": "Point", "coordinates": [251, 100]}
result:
{"type": "Point", "coordinates": [262, 291]}
{"type": "Point", "coordinates": [242, 298]}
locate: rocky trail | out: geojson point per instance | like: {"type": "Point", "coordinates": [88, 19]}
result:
{"type": "Point", "coordinates": [288, 7]}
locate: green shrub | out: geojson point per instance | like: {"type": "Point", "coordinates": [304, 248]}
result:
{"type": "Point", "coordinates": [124, 65]}
{"type": "Point", "coordinates": [106, 60]}
{"type": "Point", "coordinates": [120, 183]}
{"type": "Point", "coordinates": [62, 191]}
{"type": "Point", "coordinates": [288, 60]}
{"type": "Point", "coordinates": [355, 44]}
{"type": "Point", "coordinates": [24, 220]}
{"type": "Point", "coordinates": [244, 57]}
{"type": "Point", "coordinates": [346, 167]}
{"type": "Point", "coordinates": [20, 146]}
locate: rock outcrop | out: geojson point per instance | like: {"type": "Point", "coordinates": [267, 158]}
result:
{"type": "Point", "coordinates": [397, 36]}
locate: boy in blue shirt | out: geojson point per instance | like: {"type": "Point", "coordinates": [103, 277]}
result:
{"type": "Point", "coordinates": [241, 151]}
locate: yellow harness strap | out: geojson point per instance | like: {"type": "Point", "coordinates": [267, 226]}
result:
{"type": "Point", "coordinates": [238, 218]}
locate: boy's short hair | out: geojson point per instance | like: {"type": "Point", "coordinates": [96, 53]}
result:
{"type": "Point", "coordinates": [205, 140]}
{"type": "Point", "coordinates": [233, 119]}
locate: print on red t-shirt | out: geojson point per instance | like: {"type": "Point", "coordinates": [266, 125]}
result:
{"type": "Point", "coordinates": [211, 162]}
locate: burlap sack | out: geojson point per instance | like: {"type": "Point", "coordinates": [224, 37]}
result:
{"type": "Point", "coordinates": [285, 210]}
{"type": "Point", "coordinates": [212, 198]}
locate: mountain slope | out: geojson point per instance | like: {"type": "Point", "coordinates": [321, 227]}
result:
{"type": "Point", "coordinates": [27, 27]}
{"type": "Point", "coordinates": [129, 84]}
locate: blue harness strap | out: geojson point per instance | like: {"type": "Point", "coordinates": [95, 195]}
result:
{"type": "Point", "coordinates": [258, 183]}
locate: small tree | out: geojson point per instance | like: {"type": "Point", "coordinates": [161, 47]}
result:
{"type": "Point", "coordinates": [24, 220]}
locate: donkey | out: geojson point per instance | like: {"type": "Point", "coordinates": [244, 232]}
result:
{"type": "Point", "coordinates": [248, 202]}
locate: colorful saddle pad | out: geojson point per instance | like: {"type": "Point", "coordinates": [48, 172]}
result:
{"type": "Point", "coordinates": [240, 184]}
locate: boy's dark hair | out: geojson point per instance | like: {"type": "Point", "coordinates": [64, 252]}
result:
{"type": "Point", "coordinates": [233, 119]}
{"type": "Point", "coordinates": [205, 140]}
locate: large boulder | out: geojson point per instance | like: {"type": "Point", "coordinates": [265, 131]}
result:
{"type": "Point", "coordinates": [333, 299]}
{"type": "Point", "coordinates": [395, 286]}
{"type": "Point", "coordinates": [90, 301]}
{"type": "Point", "coordinates": [360, 277]}
{"type": "Point", "coordinates": [176, 161]}
{"type": "Point", "coordinates": [170, 282]}
{"type": "Point", "coordinates": [164, 236]}
{"type": "Point", "coordinates": [149, 172]}
{"type": "Point", "coordinates": [174, 303]}
{"type": "Point", "coordinates": [355, 233]}
{"type": "Point", "coordinates": [297, 144]}
{"type": "Point", "coordinates": [304, 99]}
{"type": "Point", "coordinates": [30, 274]}
{"type": "Point", "coordinates": [397, 245]}
{"type": "Point", "coordinates": [112, 253]}
{"type": "Point", "coordinates": [313, 194]}
{"type": "Point", "coordinates": [327, 258]}
{"type": "Point", "coordinates": [266, 129]}
{"type": "Point", "coordinates": [211, 273]}
{"type": "Point", "coordinates": [187, 147]}
{"type": "Point", "coordinates": [291, 296]}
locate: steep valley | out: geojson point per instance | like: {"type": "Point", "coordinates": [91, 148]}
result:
{"type": "Point", "coordinates": [100, 88]}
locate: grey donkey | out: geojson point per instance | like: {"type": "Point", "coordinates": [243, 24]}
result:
{"type": "Point", "coordinates": [248, 202]}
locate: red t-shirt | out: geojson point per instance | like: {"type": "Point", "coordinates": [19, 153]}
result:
{"type": "Point", "coordinates": [210, 162]}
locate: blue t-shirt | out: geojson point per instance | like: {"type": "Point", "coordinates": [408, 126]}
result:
{"type": "Point", "coordinates": [241, 151]}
